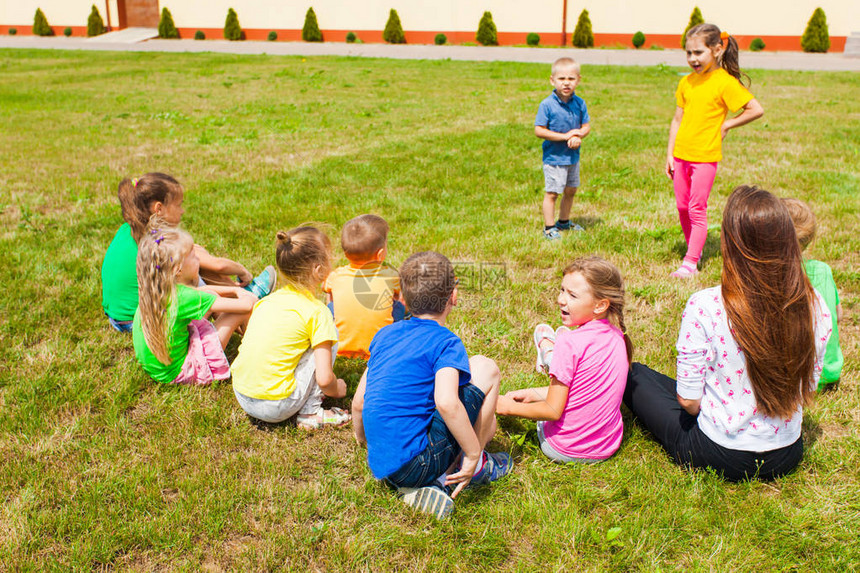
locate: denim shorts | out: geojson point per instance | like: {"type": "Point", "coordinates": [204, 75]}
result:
{"type": "Point", "coordinates": [120, 325]}
{"type": "Point", "coordinates": [442, 448]}
{"type": "Point", "coordinates": [557, 177]}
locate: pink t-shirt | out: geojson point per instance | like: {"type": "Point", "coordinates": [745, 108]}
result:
{"type": "Point", "coordinates": [592, 362]}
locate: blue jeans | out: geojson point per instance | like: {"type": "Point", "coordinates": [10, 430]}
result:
{"type": "Point", "coordinates": [120, 325]}
{"type": "Point", "coordinates": [442, 448]}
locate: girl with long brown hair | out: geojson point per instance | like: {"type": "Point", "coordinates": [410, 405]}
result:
{"type": "Point", "coordinates": [749, 353]}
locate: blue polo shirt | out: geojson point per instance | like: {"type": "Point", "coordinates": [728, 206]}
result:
{"type": "Point", "coordinates": [561, 117]}
{"type": "Point", "coordinates": [399, 396]}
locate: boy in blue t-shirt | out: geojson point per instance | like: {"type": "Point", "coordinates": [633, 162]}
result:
{"type": "Point", "coordinates": [562, 122]}
{"type": "Point", "coordinates": [422, 401]}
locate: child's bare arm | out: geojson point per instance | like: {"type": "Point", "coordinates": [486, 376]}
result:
{"type": "Point", "coordinates": [456, 418]}
{"type": "Point", "coordinates": [549, 135]}
{"type": "Point", "coordinates": [330, 384]}
{"type": "Point", "coordinates": [549, 408]}
{"type": "Point", "coordinates": [222, 266]}
{"type": "Point", "coordinates": [673, 133]}
{"type": "Point", "coordinates": [357, 409]}
{"type": "Point", "coordinates": [239, 304]}
{"type": "Point", "coordinates": [751, 112]}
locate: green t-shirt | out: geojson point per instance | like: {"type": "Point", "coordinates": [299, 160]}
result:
{"type": "Point", "coordinates": [821, 278]}
{"type": "Point", "coordinates": [191, 304]}
{"type": "Point", "coordinates": [119, 276]}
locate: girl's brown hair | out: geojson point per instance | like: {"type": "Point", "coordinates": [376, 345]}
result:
{"type": "Point", "coordinates": [768, 299]}
{"type": "Point", "coordinates": [604, 280]}
{"type": "Point", "coordinates": [137, 196]}
{"type": "Point", "coordinates": [299, 252]}
{"type": "Point", "coordinates": [729, 59]}
{"type": "Point", "coordinates": [160, 252]}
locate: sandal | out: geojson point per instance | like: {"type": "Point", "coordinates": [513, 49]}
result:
{"type": "Point", "coordinates": [543, 332]}
{"type": "Point", "coordinates": [334, 417]}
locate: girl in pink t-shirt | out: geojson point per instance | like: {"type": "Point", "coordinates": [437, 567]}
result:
{"type": "Point", "coordinates": [579, 412]}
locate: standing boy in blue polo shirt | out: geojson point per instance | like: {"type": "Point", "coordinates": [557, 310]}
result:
{"type": "Point", "coordinates": [422, 402]}
{"type": "Point", "coordinates": [562, 122]}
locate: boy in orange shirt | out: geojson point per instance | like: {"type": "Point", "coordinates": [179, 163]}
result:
{"type": "Point", "coordinates": [363, 295]}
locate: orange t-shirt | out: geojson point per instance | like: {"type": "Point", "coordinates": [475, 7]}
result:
{"type": "Point", "coordinates": [363, 298]}
{"type": "Point", "coordinates": [706, 100]}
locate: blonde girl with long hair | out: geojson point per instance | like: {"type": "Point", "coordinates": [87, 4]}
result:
{"type": "Point", "coordinates": [159, 195]}
{"type": "Point", "coordinates": [587, 360]}
{"type": "Point", "coordinates": [173, 341]}
{"type": "Point", "coordinates": [749, 353]}
{"type": "Point", "coordinates": [284, 367]}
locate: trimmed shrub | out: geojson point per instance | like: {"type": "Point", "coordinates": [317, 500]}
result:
{"type": "Point", "coordinates": [40, 24]}
{"type": "Point", "coordinates": [95, 24]}
{"type": "Point", "coordinates": [311, 30]}
{"type": "Point", "coordinates": [582, 35]}
{"type": "Point", "coordinates": [166, 27]}
{"type": "Point", "coordinates": [757, 45]}
{"type": "Point", "coordinates": [487, 35]}
{"type": "Point", "coordinates": [13, 31]}
{"type": "Point", "coordinates": [199, 35]}
{"type": "Point", "coordinates": [638, 40]}
{"type": "Point", "coordinates": [533, 39]}
{"type": "Point", "coordinates": [440, 39]}
{"type": "Point", "coordinates": [273, 36]}
{"type": "Point", "coordinates": [67, 31]}
{"type": "Point", "coordinates": [816, 37]}
{"type": "Point", "coordinates": [232, 29]}
{"type": "Point", "coordinates": [393, 33]}
{"type": "Point", "coordinates": [351, 38]}
{"type": "Point", "coordinates": [695, 19]}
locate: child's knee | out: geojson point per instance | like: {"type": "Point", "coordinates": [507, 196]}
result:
{"type": "Point", "coordinates": [570, 191]}
{"type": "Point", "coordinates": [485, 373]}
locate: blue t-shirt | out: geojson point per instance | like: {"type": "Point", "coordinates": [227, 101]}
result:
{"type": "Point", "coordinates": [401, 379]}
{"type": "Point", "coordinates": [555, 115]}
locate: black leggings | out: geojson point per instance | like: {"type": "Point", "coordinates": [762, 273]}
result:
{"type": "Point", "coordinates": [652, 398]}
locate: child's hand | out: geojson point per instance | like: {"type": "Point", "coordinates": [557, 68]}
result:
{"type": "Point", "coordinates": [244, 277]}
{"type": "Point", "coordinates": [574, 142]}
{"type": "Point", "coordinates": [464, 476]}
{"type": "Point", "coordinates": [503, 404]}
{"type": "Point", "coordinates": [670, 167]}
{"type": "Point", "coordinates": [523, 395]}
{"type": "Point", "coordinates": [724, 131]}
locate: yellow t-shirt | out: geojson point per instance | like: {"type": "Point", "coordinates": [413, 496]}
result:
{"type": "Point", "coordinates": [706, 100]}
{"type": "Point", "coordinates": [282, 327]}
{"type": "Point", "coordinates": [362, 297]}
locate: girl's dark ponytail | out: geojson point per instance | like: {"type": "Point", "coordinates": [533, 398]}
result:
{"type": "Point", "coordinates": [730, 62]}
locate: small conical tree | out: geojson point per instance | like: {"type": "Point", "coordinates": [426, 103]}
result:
{"type": "Point", "coordinates": [816, 37]}
{"type": "Point", "coordinates": [40, 24]}
{"type": "Point", "coordinates": [95, 24]}
{"type": "Point", "coordinates": [582, 35]}
{"type": "Point", "coordinates": [695, 19]}
{"type": "Point", "coordinates": [487, 35]}
{"type": "Point", "coordinates": [166, 27]}
{"type": "Point", "coordinates": [393, 33]}
{"type": "Point", "coordinates": [232, 29]}
{"type": "Point", "coordinates": [311, 29]}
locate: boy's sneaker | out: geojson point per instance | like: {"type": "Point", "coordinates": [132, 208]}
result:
{"type": "Point", "coordinates": [430, 499]}
{"type": "Point", "coordinates": [568, 226]}
{"type": "Point", "coordinates": [496, 466]}
{"type": "Point", "coordinates": [263, 283]}
{"type": "Point", "coordinates": [551, 234]}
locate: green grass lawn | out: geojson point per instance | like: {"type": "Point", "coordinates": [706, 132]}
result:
{"type": "Point", "coordinates": [100, 468]}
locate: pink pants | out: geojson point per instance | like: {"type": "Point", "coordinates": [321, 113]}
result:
{"type": "Point", "coordinates": [205, 360]}
{"type": "Point", "coordinates": [693, 182]}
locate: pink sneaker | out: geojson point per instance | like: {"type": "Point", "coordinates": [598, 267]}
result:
{"type": "Point", "coordinates": [686, 270]}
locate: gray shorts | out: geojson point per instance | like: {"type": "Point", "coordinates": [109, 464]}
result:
{"type": "Point", "coordinates": [555, 455]}
{"type": "Point", "coordinates": [557, 177]}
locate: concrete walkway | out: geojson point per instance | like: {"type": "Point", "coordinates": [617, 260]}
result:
{"type": "Point", "coordinates": [752, 60]}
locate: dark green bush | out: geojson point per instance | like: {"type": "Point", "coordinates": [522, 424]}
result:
{"type": "Point", "coordinates": [67, 31]}
{"type": "Point", "coordinates": [816, 37]}
{"type": "Point", "coordinates": [40, 24]}
{"type": "Point", "coordinates": [582, 35]}
{"type": "Point", "coordinates": [695, 19]}
{"type": "Point", "coordinates": [199, 35]}
{"type": "Point", "coordinates": [351, 38]}
{"type": "Point", "coordinates": [393, 33]}
{"type": "Point", "coordinates": [533, 39]}
{"type": "Point", "coordinates": [13, 31]}
{"type": "Point", "coordinates": [757, 45]}
{"type": "Point", "coordinates": [311, 30]}
{"type": "Point", "coordinates": [273, 36]}
{"type": "Point", "coordinates": [95, 24]}
{"type": "Point", "coordinates": [232, 29]}
{"type": "Point", "coordinates": [487, 35]}
{"type": "Point", "coordinates": [166, 27]}
{"type": "Point", "coordinates": [638, 40]}
{"type": "Point", "coordinates": [440, 39]}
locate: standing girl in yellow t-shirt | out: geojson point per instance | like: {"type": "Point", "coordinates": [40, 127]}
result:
{"type": "Point", "coordinates": [704, 99]}
{"type": "Point", "coordinates": [284, 367]}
